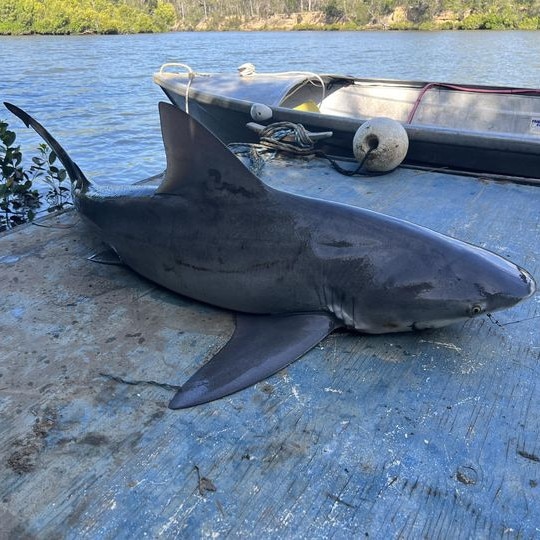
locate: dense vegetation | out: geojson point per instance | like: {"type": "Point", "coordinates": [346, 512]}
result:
{"type": "Point", "coordinates": [132, 16]}
{"type": "Point", "coordinates": [85, 16]}
{"type": "Point", "coordinates": [360, 14]}
{"type": "Point", "coordinates": [20, 201]}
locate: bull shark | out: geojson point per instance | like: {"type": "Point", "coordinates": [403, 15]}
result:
{"type": "Point", "coordinates": [293, 268]}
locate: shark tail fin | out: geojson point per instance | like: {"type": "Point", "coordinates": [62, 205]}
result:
{"type": "Point", "coordinates": [77, 177]}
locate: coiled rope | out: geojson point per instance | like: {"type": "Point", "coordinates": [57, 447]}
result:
{"type": "Point", "coordinates": [274, 135]}
{"type": "Point", "coordinates": [290, 139]}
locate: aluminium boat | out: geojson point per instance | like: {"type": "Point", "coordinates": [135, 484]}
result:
{"type": "Point", "coordinates": [476, 129]}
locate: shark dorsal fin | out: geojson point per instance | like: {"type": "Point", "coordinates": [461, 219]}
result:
{"type": "Point", "coordinates": [198, 162]}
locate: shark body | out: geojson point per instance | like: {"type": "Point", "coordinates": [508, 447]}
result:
{"type": "Point", "coordinates": [293, 268]}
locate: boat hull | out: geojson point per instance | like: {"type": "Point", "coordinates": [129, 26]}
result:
{"type": "Point", "coordinates": [514, 155]}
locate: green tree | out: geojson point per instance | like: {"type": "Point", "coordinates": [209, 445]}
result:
{"type": "Point", "coordinates": [333, 12]}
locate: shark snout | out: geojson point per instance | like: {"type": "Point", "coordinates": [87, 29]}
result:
{"type": "Point", "coordinates": [514, 288]}
{"type": "Point", "coordinates": [528, 280]}
{"type": "Point", "coordinates": [501, 284]}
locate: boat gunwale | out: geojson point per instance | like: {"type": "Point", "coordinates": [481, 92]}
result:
{"type": "Point", "coordinates": [416, 132]}
{"type": "Point", "coordinates": [413, 83]}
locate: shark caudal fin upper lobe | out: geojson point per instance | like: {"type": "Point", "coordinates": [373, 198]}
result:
{"type": "Point", "coordinates": [76, 176]}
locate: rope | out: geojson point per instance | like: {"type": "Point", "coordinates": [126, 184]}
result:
{"type": "Point", "coordinates": [253, 152]}
{"type": "Point", "coordinates": [354, 172]}
{"type": "Point", "coordinates": [273, 136]}
{"type": "Point", "coordinates": [249, 70]}
{"type": "Point", "coordinates": [299, 144]}
{"type": "Point", "coordinates": [471, 89]}
{"type": "Point", "coordinates": [190, 73]}
{"type": "Point", "coordinates": [307, 81]}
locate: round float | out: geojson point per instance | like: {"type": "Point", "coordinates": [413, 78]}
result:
{"type": "Point", "coordinates": [384, 141]}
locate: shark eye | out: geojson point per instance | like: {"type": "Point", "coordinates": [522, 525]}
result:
{"type": "Point", "coordinates": [476, 310]}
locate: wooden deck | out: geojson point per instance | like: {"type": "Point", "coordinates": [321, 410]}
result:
{"type": "Point", "coordinates": [422, 435]}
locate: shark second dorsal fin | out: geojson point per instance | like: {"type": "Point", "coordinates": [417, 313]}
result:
{"type": "Point", "coordinates": [198, 162]}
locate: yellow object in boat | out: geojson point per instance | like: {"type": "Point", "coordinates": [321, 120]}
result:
{"type": "Point", "coordinates": [308, 106]}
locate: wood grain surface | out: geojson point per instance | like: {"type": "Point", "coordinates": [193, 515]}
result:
{"type": "Point", "coordinates": [424, 435]}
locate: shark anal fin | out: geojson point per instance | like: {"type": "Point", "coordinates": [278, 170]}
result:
{"type": "Point", "coordinates": [260, 346]}
{"type": "Point", "coordinates": [107, 256]}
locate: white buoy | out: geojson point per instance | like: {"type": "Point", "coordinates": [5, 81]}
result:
{"type": "Point", "coordinates": [386, 141]}
{"type": "Point", "coordinates": [246, 70]}
{"type": "Point", "coordinates": [260, 112]}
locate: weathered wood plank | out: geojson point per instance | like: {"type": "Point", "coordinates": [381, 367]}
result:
{"type": "Point", "coordinates": [432, 434]}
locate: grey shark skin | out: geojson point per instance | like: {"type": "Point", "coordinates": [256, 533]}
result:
{"type": "Point", "coordinates": [293, 268]}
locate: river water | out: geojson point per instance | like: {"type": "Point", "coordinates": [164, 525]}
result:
{"type": "Point", "coordinates": [96, 95]}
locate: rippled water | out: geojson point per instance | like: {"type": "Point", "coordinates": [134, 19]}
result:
{"type": "Point", "coordinates": [96, 95]}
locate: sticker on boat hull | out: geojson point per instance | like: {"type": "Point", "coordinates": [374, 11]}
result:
{"type": "Point", "coordinates": [535, 125]}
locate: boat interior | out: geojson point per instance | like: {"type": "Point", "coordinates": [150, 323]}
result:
{"type": "Point", "coordinates": [467, 108]}
{"type": "Point", "coordinates": [500, 110]}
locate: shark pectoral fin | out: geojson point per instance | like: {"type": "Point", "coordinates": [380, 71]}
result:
{"type": "Point", "coordinates": [107, 256]}
{"type": "Point", "coordinates": [260, 346]}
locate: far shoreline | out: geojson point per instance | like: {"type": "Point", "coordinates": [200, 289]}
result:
{"type": "Point", "coordinates": [268, 30]}
{"type": "Point", "coordinates": [126, 17]}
